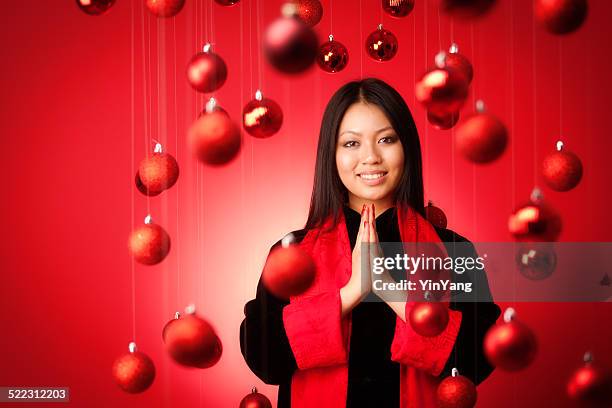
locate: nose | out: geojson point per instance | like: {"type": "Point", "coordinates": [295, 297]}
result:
{"type": "Point", "coordinates": [370, 154]}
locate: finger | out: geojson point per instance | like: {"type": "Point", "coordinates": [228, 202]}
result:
{"type": "Point", "coordinates": [361, 227]}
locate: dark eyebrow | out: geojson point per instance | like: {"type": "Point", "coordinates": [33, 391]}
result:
{"type": "Point", "coordinates": [359, 134]}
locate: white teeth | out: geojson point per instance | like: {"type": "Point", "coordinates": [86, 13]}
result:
{"type": "Point", "coordinates": [371, 176]}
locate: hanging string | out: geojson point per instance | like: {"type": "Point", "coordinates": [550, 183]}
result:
{"type": "Point", "coordinates": [132, 153]}
{"type": "Point", "coordinates": [331, 16]}
{"type": "Point", "coordinates": [145, 91]}
{"type": "Point", "coordinates": [561, 135]}
{"type": "Point", "coordinates": [439, 30]}
{"type": "Point", "coordinates": [176, 144]}
{"type": "Point", "coordinates": [259, 57]}
{"type": "Point", "coordinates": [361, 44]}
{"type": "Point", "coordinates": [534, 101]}
{"type": "Point", "coordinates": [474, 212]}
{"type": "Point", "coordinates": [428, 153]}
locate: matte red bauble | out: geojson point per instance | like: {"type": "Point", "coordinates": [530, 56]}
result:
{"type": "Point", "coordinates": [398, 8]}
{"type": "Point", "coordinates": [206, 71]}
{"type": "Point", "coordinates": [309, 12]}
{"type": "Point", "coordinates": [95, 7]}
{"type": "Point", "coordinates": [191, 341]}
{"type": "Point", "coordinates": [149, 244]}
{"type": "Point", "coordinates": [466, 8]}
{"type": "Point", "coordinates": [428, 319]}
{"type": "Point", "coordinates": [165, 8]}
{"type": "Point", "coordinates": [511, 345]}
{"type": "Point", "coordinates": [536, 261]}
{"type": "Point", "coordinates": [262, 117]}
{"type": "Point", "coordinates": [535, 221]}
{"type": "Point", "coordinates": [290, 46]}
{"type": "Point", "coordinates": [289, 271]}
{"type": "Point", "coordinates": [561, 170]}
{"type": "Point", "coordinates": [177, 315]}
{"type": "Point", "coordinates": [481, 138]}
{"type": "Point", "coordinates": [381, 44]}
{"type": "Point", "coordinates": [442, 91]}
{"type": "Point", "coordinates": [133, 372]}
{"type": "Point", "coordinates": [590, 385]}
{"type": "Point", "coordinates": [227, 2]}
{"type": "Point", "coordinates": [158, 172]}
{"type": "Point", "coordinates": [456, 391]}
{"type": "Point", "coordinates": [459, 63]}
{"type": "Point", "coordinates": [561, 16]}
{"type": "Point", "coordinates": [332, 56]}
{"type": "Point", "coordinates": [444, 121]}
{"type": "Point", "coordinates": [255, 400]}
{"type": "Point", "coordinates": [435, 216]}
{"type": "Point", "coordinates": [214, 138]}
{"type": "Point", "coordinates": [143, 189]}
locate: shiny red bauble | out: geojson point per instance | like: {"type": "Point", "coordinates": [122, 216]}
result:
{"type": "Point", "coordinates": [591, 386]}
{"type": "Point", "coordinates": [290, 46]}
{"type": "Point", "coordinates": [227, 2]}
{"type": "Point", "coordinates": [443, 121]}
{"type": "Point", "coordinates": [214, 138]}
{"type": "Point", "coordinates": [561, 16]}
{"type": "Point", "coordinates": [95, 7]}
{"type": "Point", "coordinates": [381, 44]}
{"type": "Point", "coordinates": [133, 372]}
{"type": "Point", "coordinates": [192, 342]}
{"type": "Point", "coordinates": [510, 345]}
{"type": "Point", "coordinates": [149, 244]}
{"type": "Point", "coordinates": [206, 71]}
{"type": "Point", "coordinates": [309, 12]}
{"type": "Point", "coordinates": [442, 91]}
{"type": "Point", "coordinates": [481, 138]}
{"type": "Point", "coordinates": [398, 8]}
{"type": "Point", "coordinates": [165, 8]}
{"type": "Point", "coordinates": [262, 117]}
{"type": "Point", "coordinates": [158, 172]}
{"type": "Point", "coordinates": [535, 222]}
{"type": "Point", "coordinates": [332, 56]}
{"type": "Point", "coordinates": [536, 261]}
{"type": "Point", "coordinates": [255, 400]}
{"type": "Point", "coordinates": [289, 271]}
{"type": "Point", "coordinates": [428, 319]}
{"type": "Point", "coordinates": [435, 216]}
{"type": "Point", "coordinates": [466, 8]}
{"type": "Point", "coordinates": [459, 63]}
{"type": "Point", "coordinates": [456, 392]}
{"type": "Point", "coordinates": [561, 170]}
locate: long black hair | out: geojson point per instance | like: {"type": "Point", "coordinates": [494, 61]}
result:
{"type": "Point", "coordinates": [328, 193]}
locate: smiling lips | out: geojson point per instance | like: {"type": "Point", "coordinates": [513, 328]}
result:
{"type": "Point", "coordinates": [372, 178]}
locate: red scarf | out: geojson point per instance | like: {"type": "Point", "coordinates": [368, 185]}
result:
{"type": "Point", "coordinates": [320, 338]}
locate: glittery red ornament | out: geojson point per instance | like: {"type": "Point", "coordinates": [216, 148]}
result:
{"type": "Point", "coordinates": [561, 16]}
{"type": "Point", "coordinates": [535, 221]}
{"type": "Point", "coordinates": [214, 138]}
{"type": "Point", "coordinates": [255, 400]}
{"type": "Point", "coordinates": [456, 391]}
{"type": "Point", "coordinates": [435, 216]}
{"type": "Point", "coordinates": [227, 2]}
{"type": "Point", "coordinates": [441, 90]}
{"type": "Point", "coordinates": [381, 44]}
{"type": "Point", "coordinates": [290, 46]}
{"type": "Point", "coordinates": [590, 385]}
{"type": "Point", "coordinates": [481, 138]}
{"type": "Point", "coordinates": [309, 12]}
{"type": "Point", "coordinates": [536, 262]}
{"type": "Point", "coordinates": [134, 372]}
{"type": "Point", "coordinates": [510, 345]}
{"type": "Point", "coordinates": [158, 172]}
{"type": "Point", "coordinates": [143, 189]}
{"type": "Point", "coordinates": [206, 71]}
{"type": "Point", "coordinates": [262, 117]}
{"type": "Point", "coordinates": [444, 121]}
{"type": "Point", "coordinates": [333, 56]}
{"type": "Point", "coordinates": [428, 319]}
{"type": "Point", "coordinates": [149, 244]}
{"type": "Point", "coordinates": [95, 7]}
{"type": "Point", "coordinates": [165, 8]}
{"type": "Point", "coordinates": [561, 170]}
{"type": "Point", "coordinates": [466, 8]}
{"type": "Point", "coordinates": [398, 8]}
{"type": "Point", "coordinates": [459, 63]}
{"type": "Point", "coordinates": [191, 341]}
{"type": "Point", "coordinates": [289, 271]}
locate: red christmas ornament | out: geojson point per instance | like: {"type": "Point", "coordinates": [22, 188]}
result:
{"type": "Point", "coordinates": [206, 71]}
{"type": "Point", "coordinates": [158, 172]}
{"type": "Point", "coordinates": [262, 117]}
{"type": "Point", "coordinates": [289, 271]}
{"type": "Point", "coordinates": [511, 345]}
{"type": "Point", "coordinates": [290, 46]}
{"type": "Point", "coordinates": [95, 7]}
{"type": "Point", "coordinates": [444, 121]}
{"type": "Point", "coordinates": [536, 262]}
{"type": "Point", "coordinates": [561, 16]}
{"type": "Point", "coordinates": [332, 56]}
{"type": "Point", "coordinates": [214, 138]}
{"type": "Point", "coordinates": [143, 189]}
{"type": "Point", "coordinates": [466, 9]}
{"type": "Point", "coordinates": [381, 44]}
{"type": "Point", "coordinates": [481, 138]}
{"type": "Point", "coordinates": [134, 372]}
{"type": "Point", "coordinates": [398, 8]}
{"type": "Point", "coordinates": [255, 400]}
{"type": "Point", "coordinates": [149, 244]}
{"type": "Point", "coordinates": [435, 216]}
{"type": "Point", "coordinates": [459, 63]}
{"type": "Point", "coordinates": [456, 391]}
{"type": "Point", "coordinates": [428, 319]}
{"type": "Point", "coordinates": [535, 221]}
{"type": "Point", "coordinates": [591, 386]}
{"type": "Point", "coordinates": [177, 315]}
{"type": "Point", "coordinates": [441, 90]}
{"type": "Point", "coordinates": [309, 12]}
{"type": "Point", "coordinates": [191, 341]}
{"type": "Point", "coordinates": [165, 8]}
{"type": "Point", "coordinates": [561, 170]}
{"type": "Point", "coordinates": [227, 2]}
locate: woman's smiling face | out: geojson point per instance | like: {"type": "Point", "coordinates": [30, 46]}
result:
{"type": "Point", "coordinates": [369, 156]}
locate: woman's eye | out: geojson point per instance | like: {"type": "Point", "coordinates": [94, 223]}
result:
{"type": "Point", "coordinates": [388, 139]}
{"type": "Point", "coordinates": [350, 143]}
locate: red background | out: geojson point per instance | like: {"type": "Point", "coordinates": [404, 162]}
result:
{"type": "Point", "coordinates": [82, 98]}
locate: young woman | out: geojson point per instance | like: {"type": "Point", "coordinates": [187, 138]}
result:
{"type": "Point", "coordinates": [328, 347]}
